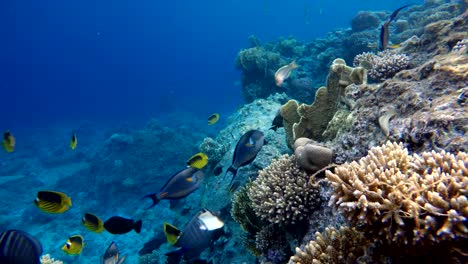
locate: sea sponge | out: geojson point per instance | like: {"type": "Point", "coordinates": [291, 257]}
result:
{"type": "Point", "coordinates": [383, 65]}
{"type": "Point", "coordinates": [310, 156]}
{"type": "Point", "coordinates": [405, 199]}
{"type": "Point", "coordinates": [282, 193]}
{"type": "Point", "coordinates": [333, 246]}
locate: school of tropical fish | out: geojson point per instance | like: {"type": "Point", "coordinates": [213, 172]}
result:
{"type": "Point", "coordinates": [19, 247]}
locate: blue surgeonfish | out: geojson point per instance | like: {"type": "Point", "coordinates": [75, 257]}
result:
{"type": "Point", "coordinates": [197, 235]}
{"type": "Point", "coordinates": [246, 150]}
{"type": "Point", "coordinates": [19, 247]}
{"type": "Point", "coordinates": [178, 186]}
{"type": "Point", "coordinates": [384, 34]}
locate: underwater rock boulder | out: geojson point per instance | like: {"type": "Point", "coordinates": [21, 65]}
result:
{"type": "Point", "coordinates": [311, 157]}
{"type": "Point", "coordinates": [365, 20]}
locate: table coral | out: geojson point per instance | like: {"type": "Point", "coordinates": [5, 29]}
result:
{"type": "Point", "coordinates": [403, 198]}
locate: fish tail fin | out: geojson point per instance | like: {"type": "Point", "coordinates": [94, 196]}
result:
{"type": "Point", "coordinates": [174, 257]}
{"type": "Point", "coordinates": [293, 64]}
{"type": "Point", "coordinates": [137, 226]}
{"type": "Point", "coordinates": [154, 198]}
{"type": "Point", "coordinates": [232, 170]}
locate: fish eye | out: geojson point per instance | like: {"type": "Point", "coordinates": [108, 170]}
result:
{"type": "Point", "coordinates": [68, 245]}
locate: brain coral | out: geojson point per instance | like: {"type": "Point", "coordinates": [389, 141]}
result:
{"type": "Point", "coordinates": [402, 198]}
{"type": "Point", "coordinates": [334, 246]}
{"type": "Point", "coordinates": [282, 194]}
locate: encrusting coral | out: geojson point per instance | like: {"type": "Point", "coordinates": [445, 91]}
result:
{"type": "Point", "coordinates": [402, 198]}
{"type": "Point", "coordinates": [282, 193]}
{"type": "Point", "coordinates": [333, 246]}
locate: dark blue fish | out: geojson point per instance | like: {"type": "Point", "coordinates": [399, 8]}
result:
{"type": "Point", "coordinates": [197, 235]}
{"type": "Point", "coordinates": [384, 33]}
{"type": "Point", "coordinates": [119, 225]}
{"type": "Point", "coordinates": [18, 247]}
{"type": "Point", "coordinates": [246, 150]}
{"type": "Point", "coordinates": [178, 186]}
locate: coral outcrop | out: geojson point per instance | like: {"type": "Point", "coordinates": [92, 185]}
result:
{"type": "Point", "coordinates": [282, 193]}
{"type": "Point", "coordinates": [345, 245]}
{"type": "Point", "coordinates": [383, 65]}
{"type": "Point", "coordinates": [310, 156]}
{"type": "Point", "coordinates": [314, 119]}
{"type": "Point", "coordinates": [403, 198]}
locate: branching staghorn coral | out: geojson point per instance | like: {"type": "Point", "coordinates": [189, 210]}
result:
{"type": "Point", "coordinates": [333, 246]}
{"type": "Point", "coordinates": [383, 65]}
{"type": "Point", "coordinates": [402, 198]}
{"type": "Point", "coordinates": [282, 194]}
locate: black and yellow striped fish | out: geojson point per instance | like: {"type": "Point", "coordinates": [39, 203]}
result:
{"type": "Point", "coordinates": [73, 141]}
{"type": "Point", "coordinates": [74, 245]}
{"type": "Point", "coordinates": [198, 161]}
{"type": "Point", "coordinates": [92, 223]}
{"type": "Point", "coordinates": [52, 202]}
{"type": "Point", "coordinates": [9, 141]}
{"type": "Point", "coordinates": [19, 247]}
{"type": "Point", "coordinates": [213, 119]}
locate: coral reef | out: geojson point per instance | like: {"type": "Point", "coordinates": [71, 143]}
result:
{"type": "Point", "coordinates": [383, 65]}
{"type": "Point", "coordinates": [310, 156]}
{"type": "Point", "coordinates": [365, 20]}
{"type": "Point", "coordinates": [406, 199]}
{"type": "Point", "coordinates": [282, 193]}
{"type": "Point", "coordinates": [47, 259]}
{"type": "Point", "coordinates": [314, 118]}
{"type": "Point", "coordinates": [345, 245]}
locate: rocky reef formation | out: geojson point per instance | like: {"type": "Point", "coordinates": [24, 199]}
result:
{"type": "Point", "coordinates": [407, 197]}
{"type": "Point", "coordinates": [259, 62]}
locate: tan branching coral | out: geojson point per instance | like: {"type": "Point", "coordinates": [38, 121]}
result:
{"type": "Point", "coordinates": [47, 259]}
{"type": "Point", "coordinates": [333, 246]}
{"type": "Point", "coordinates": [406, 199]}
{"type": "Point", "coordinates": [282, 194]}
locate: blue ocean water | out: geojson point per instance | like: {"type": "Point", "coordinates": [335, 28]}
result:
{"type": "Point", "coordinates": [127, 60]}
{"type": "Point", "coordinates": [106, 68]}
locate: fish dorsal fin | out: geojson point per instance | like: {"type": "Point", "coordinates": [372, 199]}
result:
{"type": "Point", "coordinates": [172, 233]}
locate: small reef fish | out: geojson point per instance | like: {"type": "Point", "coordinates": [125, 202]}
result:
{"type": "Point", "coordinates": [73, 141]}
{"type": "Point", "coordinates": [384, 32]}
{"type": "Point", "coordinates": [212, 119]}
{"type": "Point", "coordinates": [277, 121]}
{"type": "Point", "coordinates": [246, 150]}
{"type": "Point", "coordinates": [119, 225]}
{"type": "Point", "coordinates": [111, 256]}
{"type": "Point", "coordinates": [19, 247]}
{"type": "Point", "coordinates": [218, 170]}
{"type": "Point", "coordinates": [178, 186]}
{"type": "Point", "coordinates": [52, 202]}
{"type": "Point", "coordinates": [284, 72]}
{"type": "Point", "coordinates": [198, 161]}
{"type": "Point", "coordinates": [92, 223]}
{"type": "Point", "coordinates": [74, 245]}
{"type": "Point", "coordinates": [197, 235]}
{"type": "Point", "coordinates": [9, 141]}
